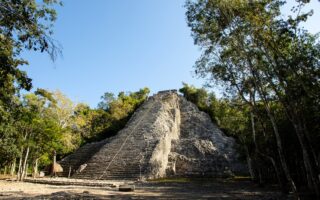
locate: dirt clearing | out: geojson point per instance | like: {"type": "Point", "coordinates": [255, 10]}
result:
{"type": "Point", "coordinates": [217, 189]}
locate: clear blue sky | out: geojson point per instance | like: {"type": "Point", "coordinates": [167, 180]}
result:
{"type": "Point", "coordinates": [113, 46]}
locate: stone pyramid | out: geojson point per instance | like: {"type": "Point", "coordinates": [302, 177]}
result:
{"type": "Point", "coordinates": [166, 136]}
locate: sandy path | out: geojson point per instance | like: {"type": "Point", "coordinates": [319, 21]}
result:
{"type": "Point", "coordinates": [11, 189]}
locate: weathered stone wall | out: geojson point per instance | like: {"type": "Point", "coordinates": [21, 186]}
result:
{"type": "Point", "coordinates": [202, 149]}
{"type": "Point", "coordinates": [166, 129]}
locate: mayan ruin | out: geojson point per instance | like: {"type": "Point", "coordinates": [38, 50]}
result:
{"type": "Point", "coordinates": [167, 136]}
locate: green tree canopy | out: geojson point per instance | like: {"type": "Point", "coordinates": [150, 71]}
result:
{"type": "Point", "coordinates": [261, 57]}
{"type": "Point", "coordinates": [24, 25]}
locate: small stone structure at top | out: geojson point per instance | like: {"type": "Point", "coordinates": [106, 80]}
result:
{"type": "Point", "coordinates": [167, 136]}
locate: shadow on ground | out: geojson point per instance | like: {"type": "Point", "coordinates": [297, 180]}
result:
{"type": "Point", "coordinates": [226, 190]}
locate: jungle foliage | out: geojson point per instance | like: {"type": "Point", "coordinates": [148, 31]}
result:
{"type": "Point", "coordinates": [44, 122]}
{"type": "Point", "coordinates": [269, 68]}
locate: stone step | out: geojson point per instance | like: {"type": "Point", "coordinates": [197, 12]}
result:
{"type": "Point", "coordinates": [117, 171]}
{"type": "Point", "coordinates": [83, 154]}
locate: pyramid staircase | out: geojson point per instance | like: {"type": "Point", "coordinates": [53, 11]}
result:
{"type": "Point", "coordinates": [73, 161]}
{"type": "Point", "coordinates": [125, 156]}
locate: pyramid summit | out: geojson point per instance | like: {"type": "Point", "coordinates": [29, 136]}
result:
{"type": "Point", "coordinates": [167, 136]}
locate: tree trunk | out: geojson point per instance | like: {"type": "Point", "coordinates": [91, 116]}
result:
{"type": "Point", "coordinates": [276, 170]}
{"type": "Point", "coordinates": [280, 151]}
{"type": "Point", "coordinates": [313, 152]}
{"type": "Point", "coordinates": [24, 168]}
{"type": "Point", "coordinates": [273, 123]}
{"type": "Point", "coordinates": [13, 167]}
{"type": "Point", "coordinates": [308, 155]}
{"type": "Point", "coordinates": [20, 166]}
{"type": "Point", "coordinates": [262, 93]}
{"type": "Point", "coordinates": [249, 162]}
{"type": "Point", "coordinates": [311, 164]}
{"type": "Point", "coordinates": [35, 172]}
{"type": "Point", "coordinates": [253, 138]}
{"type": "Point", "coordinates": [260, 176]}
{"type": "Point", "coordinates": [25, 173]}
{"type": "Point", "coordinates": [312, 176]}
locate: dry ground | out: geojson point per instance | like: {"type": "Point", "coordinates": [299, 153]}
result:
{"type": "Point", "coordinates": [162, 189]}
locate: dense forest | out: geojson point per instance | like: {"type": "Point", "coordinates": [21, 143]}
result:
{"type": "Point", "coordinates": [42, 122]}
{"type": "Point", "coordinates": [266, 64]}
